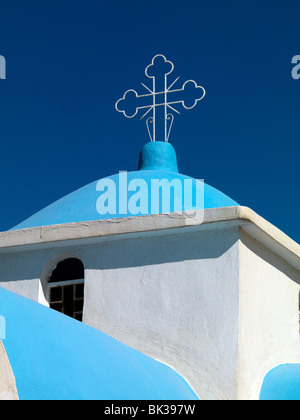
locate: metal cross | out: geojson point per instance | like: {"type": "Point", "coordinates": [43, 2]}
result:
{"type": "Point", "coordinates": [160, 99]}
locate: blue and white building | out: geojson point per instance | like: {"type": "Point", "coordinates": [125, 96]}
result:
{"type": "Point", "coordinates": [199, 302]}
{"type": "Point", "coordinates": [149, 284]}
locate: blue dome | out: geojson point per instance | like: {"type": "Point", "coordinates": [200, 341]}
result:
{"type": "Point", "coordinates": [122, 194]}
{"type": "Point", "coordinates": [282, 384]}
{"type": "Point", "coordinates": [54, 357]}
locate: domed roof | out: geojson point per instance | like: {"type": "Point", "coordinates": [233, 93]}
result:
{"type": "Point", "coordinates": [54, 357]}
{"type": "Point", "coordinates": [121, 195]}
{"type": "Point", "coordinates": [282, 383]}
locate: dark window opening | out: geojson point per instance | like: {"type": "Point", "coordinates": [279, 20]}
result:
{"type": "Point", "coordinates": [70, 269]}
{"type": "Point", "coordinates": [66, 294]}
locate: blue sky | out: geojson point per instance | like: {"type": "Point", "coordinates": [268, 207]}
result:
{"type": "Point", "coordinates": [68, 62]}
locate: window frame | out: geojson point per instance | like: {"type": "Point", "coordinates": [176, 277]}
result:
{"type": "Point", "coordinates": [67, 283]}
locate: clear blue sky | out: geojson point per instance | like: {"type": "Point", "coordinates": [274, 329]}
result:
{"type": "Point", "coordinates": [69, 61]}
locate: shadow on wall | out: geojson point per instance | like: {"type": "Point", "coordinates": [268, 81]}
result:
{"type": "Point", "coordinates": [155, 250]}
{"type": "Point", "coordinates": [149, 249]}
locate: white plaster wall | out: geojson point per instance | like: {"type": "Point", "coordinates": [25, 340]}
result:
{"type": "Point", "coordinates": [8, 389]}
{"type": "Point", "coordinates": [174, 298]}
{"type": "Point", "coordinates": [219, 310]}
{"type": "Point", "coordinates": [269, 315]}
{"type": "Point", "coordinates": [25, 273]}
{"type": "Point", "coordinates": [20, 272]}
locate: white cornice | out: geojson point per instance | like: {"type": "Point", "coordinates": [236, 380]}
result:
{"type": "Point", "coordinates": [95, 231]}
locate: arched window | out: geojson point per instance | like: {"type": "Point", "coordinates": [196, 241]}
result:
{"type": "Point", "coordinates": [299, 309]}
{"type": "Point", "coordinates": [66, 288]}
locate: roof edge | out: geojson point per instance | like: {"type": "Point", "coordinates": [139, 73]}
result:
{"type": "Point", "coordinates": [240, 216]}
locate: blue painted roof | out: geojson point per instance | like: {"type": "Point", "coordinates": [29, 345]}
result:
{"type": "Point", "coordinates": [282, 384]}
{"type": "Point", "coordinates": [157, 162]}
{"type": "Point", "coordinates": [55, 357]}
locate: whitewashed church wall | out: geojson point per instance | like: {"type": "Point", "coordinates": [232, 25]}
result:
{"type": "Point", "coordinates": [20, 272]}
{"type": "Point", "coordinates": [216, 305]}
{"type": "Point", "coordinates": [269, 315]}
{"type": "Point", "coordinates": [174, 298]}
{"type": "Point", "coordinates": [8, 389]}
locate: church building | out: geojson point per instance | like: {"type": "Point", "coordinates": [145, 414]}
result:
{"type": "Point", "coordinates": [149, 285]}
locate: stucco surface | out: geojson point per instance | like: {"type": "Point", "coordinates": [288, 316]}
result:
{"type": "Point", "coordinates": [268, 315]}
{"type": "Point", "coordinates": [159, 294]}
{"type": "Point", "coordinates": [174, 298]}
{"type": "Point", "coordinates": [8, 390]}
{"type": "Point", "coordinates": [213, 294]}
{"type": "Point", "coordinates": [54, 357]}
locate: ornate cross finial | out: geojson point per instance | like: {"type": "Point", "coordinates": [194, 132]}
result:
{"type": "Point", "coordinates": [160, 99]}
